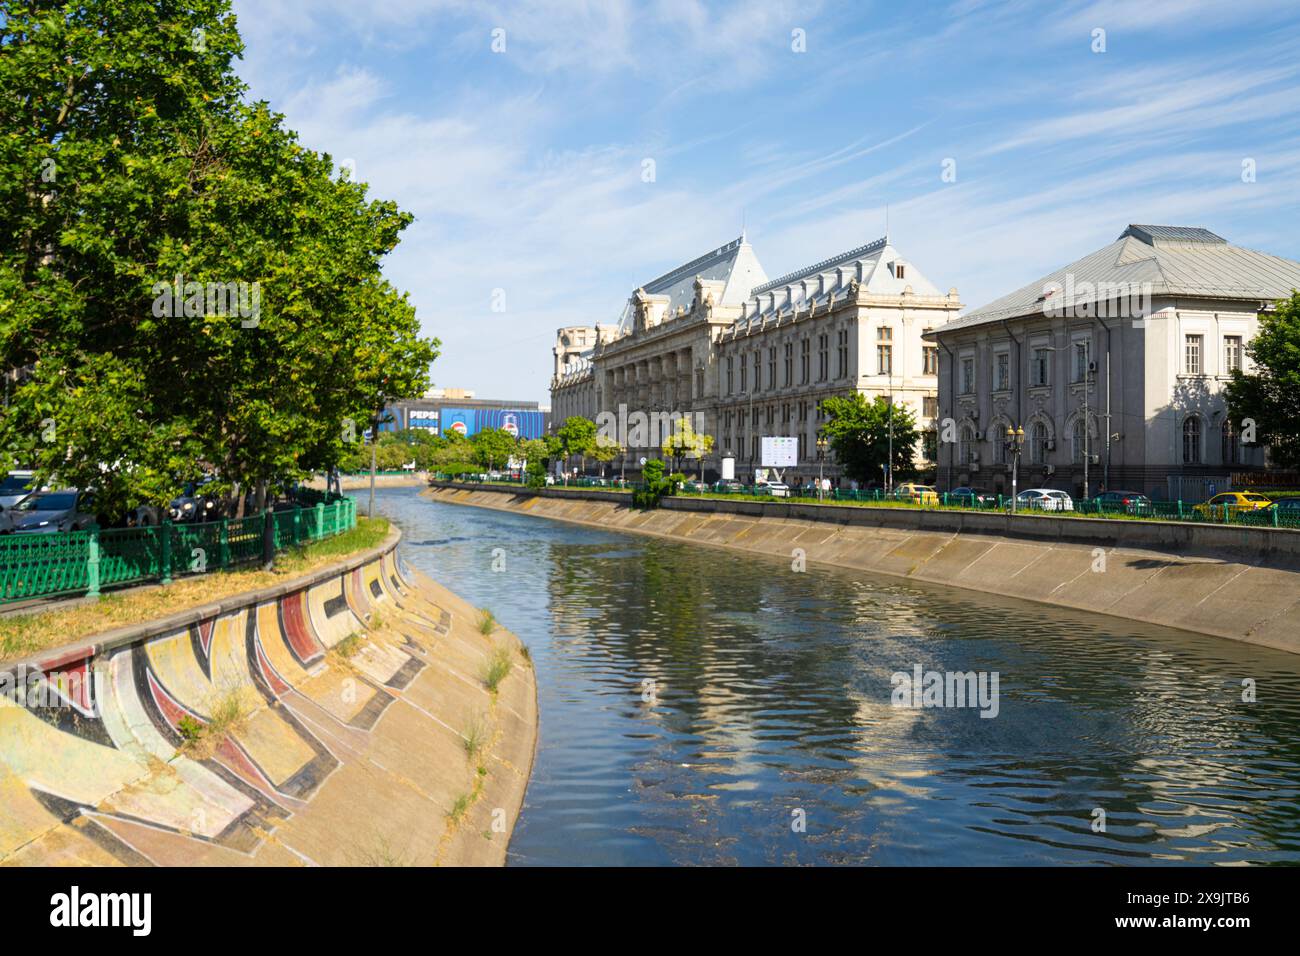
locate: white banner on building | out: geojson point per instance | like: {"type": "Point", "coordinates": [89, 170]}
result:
{"type": "Point", "coordinates": [779, 452]}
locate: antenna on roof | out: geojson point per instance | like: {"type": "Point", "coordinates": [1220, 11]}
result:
{"type": "Point", "coordinates": [886, 223]}
{"type": "Point", "coordinates": [742, 224]}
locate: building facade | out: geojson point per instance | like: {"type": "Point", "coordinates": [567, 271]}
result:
{"type": "Point", "coordinates": [1114, 366]}
{"type": "Point", "coordinates": [745, 357]}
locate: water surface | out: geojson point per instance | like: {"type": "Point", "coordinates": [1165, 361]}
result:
{"type": "Point", "coordinates": [771, 695]}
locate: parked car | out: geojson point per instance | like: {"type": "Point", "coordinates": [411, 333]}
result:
{"type": "Point", "coordinates": [193, 504]}
{"type": "Point", "coordinates": [1123, 502]}
{"type": "Point", "coordinates": [1044, 499]}
{"type": "Point", "coordinates": [1230, 503]}
{"type": "Point", "coordinates": [777, 489]}
{"type": "Point", "coordinates": [971, 497]}
{"type": "Point", "coordinates": [728, 487]}
{"type": "Point", "coordinates": [49, 511]}
{"type": "Point", "coordinates": [917, 494]}
{"type": "Point", "coordinates": [15, 487]}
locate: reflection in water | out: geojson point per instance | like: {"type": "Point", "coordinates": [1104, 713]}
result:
{"type": "Point", "coordinates": [771, 694]}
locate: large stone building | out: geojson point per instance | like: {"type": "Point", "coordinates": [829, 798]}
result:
{"type": "Point", "coordinates": [746, 357]}
{"type": "Point", "coordinates": [1114, 364]}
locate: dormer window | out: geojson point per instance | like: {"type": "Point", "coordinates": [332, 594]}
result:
{"type": "Point", "coordinates": [899, 270]}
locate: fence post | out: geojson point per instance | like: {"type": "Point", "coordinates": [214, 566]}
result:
{"type": "Point", "coordinates": [268, 539]}
{"type": "Point", "coordinates": [320, 519]}
{"type": "Point", "coordinates": [1276, 509]}
{"type": "Point", "coordinates": [165, 553]}
{"type": "Point", "coordinates": [92, 566]}
{"type": "Point", "coordinates": [223, 553]}
{"type": "Point", "coordinates": [297, 524]}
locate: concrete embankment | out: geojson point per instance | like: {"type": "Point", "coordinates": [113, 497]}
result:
{"type": "Point", "coordinates": [1231, 582]}
{"type": "Point", "coordinates": [342, 718]}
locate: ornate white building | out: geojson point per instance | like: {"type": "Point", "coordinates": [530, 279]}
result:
{"type": "Point", "coordinates": [1144, 332]}
{"type": "Point", "coordinates": [747, 357]}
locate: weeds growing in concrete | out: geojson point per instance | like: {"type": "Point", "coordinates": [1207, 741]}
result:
{"type": "Point", "coordinates": [487, 622]}
{"type": "Point", "coordinates": [496, 669]}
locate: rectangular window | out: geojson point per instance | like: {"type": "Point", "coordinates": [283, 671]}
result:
{"type": "Point", "coordinates": [758, 371]}
{"type": "Point", "coordinates": [885, 359]}
{"type": "Point", "coordinates": [1042, 367]}
{"type": "Point", "coordinates": [744, 375]}
{"type": "Point", "coordinates": [1193, 350]}
{"type": "Point", "coordinates": [930, 360]}
{"type": "Point", "coordinates": [930, 406]}
{"type": "Point", "coordinates": [771, 367]}
{"type": "Point", "coordinates": [731, 374]}
{"type": "Point", "coordinates": [789, 363]}
{"type": "Point", "coordinates": [1232, 353]}
{"type": "Point", "coordinates": [967, 376]}
{"type": "Point", "coordinates": [1003, 377]}
{"type": "Point", "coordinates": [805, 354]}
{"type": "Point", "coordinates": [842, 353]}
{"type": "Point", "coordinates": [823, 357]}
{"type": "Point", "coordinates": [1080, 361]}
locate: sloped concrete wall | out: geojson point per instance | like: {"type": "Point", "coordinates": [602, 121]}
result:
{"type": "Point", "coordinates": [349, 755]}
{"type": "Point", "coordinates": [1226, 582]}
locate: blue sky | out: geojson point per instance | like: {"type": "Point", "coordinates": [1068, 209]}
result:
{"type": "Point", "coordinates": [524, 167]}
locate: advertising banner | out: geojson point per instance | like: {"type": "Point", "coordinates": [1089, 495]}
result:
{"type": "Point", "coordinates": [779, 452]}
{"type": "Point", "coordinates": [521, 423]}
{"type": "Point", "coordinates": [422, 418]}
{"type": "Point", "coordinates": [459, 420]}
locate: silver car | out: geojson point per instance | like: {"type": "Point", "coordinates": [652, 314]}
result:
{"type": "Point", "coordinates": [1044, 499]}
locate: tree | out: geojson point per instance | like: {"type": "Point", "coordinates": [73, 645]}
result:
{"type": "Point", "coordinates": [578, 437]}
{"type": "Point", "coordinates": [605, 450]}
{"type": "Point", "coordinates": [183, 287]}
{"type": "Point", "coordinates": [493, 445]}
{"type": "Point", "coordinates": [685, 442]}
{"type": "Point", "coordinates": [859, 435]}
{"type": "Point", "coordinates": [1269, 396]}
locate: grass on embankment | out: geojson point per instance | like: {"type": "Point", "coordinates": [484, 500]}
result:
{"type": "Point", "coordinates": [29, 632]}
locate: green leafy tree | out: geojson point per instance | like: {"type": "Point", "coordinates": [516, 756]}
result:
{"type": "Point", "coordinates": [859, 434]}
{"type": "Point", "coordinates": [605, 450]}
{"type": "Point", "coordinates": [183, 287]}
{"type": "Point", "coordinates": [494, 446]}
{"type": "Point", "coordinates": [578, 438]}
{"type": "Point", "coordinates": [686, 443]}
{"type": "Point", "coordinates": [1268, 397]}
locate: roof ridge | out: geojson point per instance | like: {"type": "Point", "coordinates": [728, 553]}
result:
{"type": "Point", "coordinates": [675, 275]}
{"type": "Point", "coordinates": [821, 266]}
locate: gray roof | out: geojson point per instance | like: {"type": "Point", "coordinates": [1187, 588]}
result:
{"type": "Point", "coordinates": [1182, 261]}
{"type": "Point", "coordinates": [873, 266]}
{"type": "Point", "coordinates": [734, 264]}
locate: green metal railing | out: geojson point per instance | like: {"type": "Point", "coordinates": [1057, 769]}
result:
{"type": "Point", "coordinates": [63, 563]}
{"type": "Point", "coordinates": [1267, 517]}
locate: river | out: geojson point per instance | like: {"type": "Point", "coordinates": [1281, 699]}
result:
{"type": "Point", "coordinates": [702, 707]}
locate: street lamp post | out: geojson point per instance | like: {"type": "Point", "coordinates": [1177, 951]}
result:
{"type": "Point", "coordinates": [1015, 442]}
{"type": "Point", "coordinates": [821, 460]}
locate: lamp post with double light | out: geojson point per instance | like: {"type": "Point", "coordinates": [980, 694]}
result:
{"type": "Point", "coordinates": [1015, 443]}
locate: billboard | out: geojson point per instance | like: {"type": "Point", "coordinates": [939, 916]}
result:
{"type": "Point", "coordinates": [459, 420]}
{"type": "Point", "coordinates": [521, 423]}
{"type": "Point", "coordinates": [779, 452]}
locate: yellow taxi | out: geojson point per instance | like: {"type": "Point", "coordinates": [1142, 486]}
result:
{"type": "Point", "coordinates": [917, 494]}
{"type": "Point", "coordinates": [1232, 502]}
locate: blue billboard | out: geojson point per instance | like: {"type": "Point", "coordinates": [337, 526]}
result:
{"type": "Point", "coordinates": [519, 422]}
{"type": "Point", "coordinates": [459, 420]}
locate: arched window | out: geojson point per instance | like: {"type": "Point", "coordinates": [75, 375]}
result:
{"type": "Point", "coordinates": [1192, 440]}
{"type": "Point", "coordinates": [967, 444]}
{"type": "Point", "coordinates": [1078, 441]}
{"type": "Point", "coordinates": [1038, 443]}
{"type": "Point", "coordinates": [1231, 444]}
